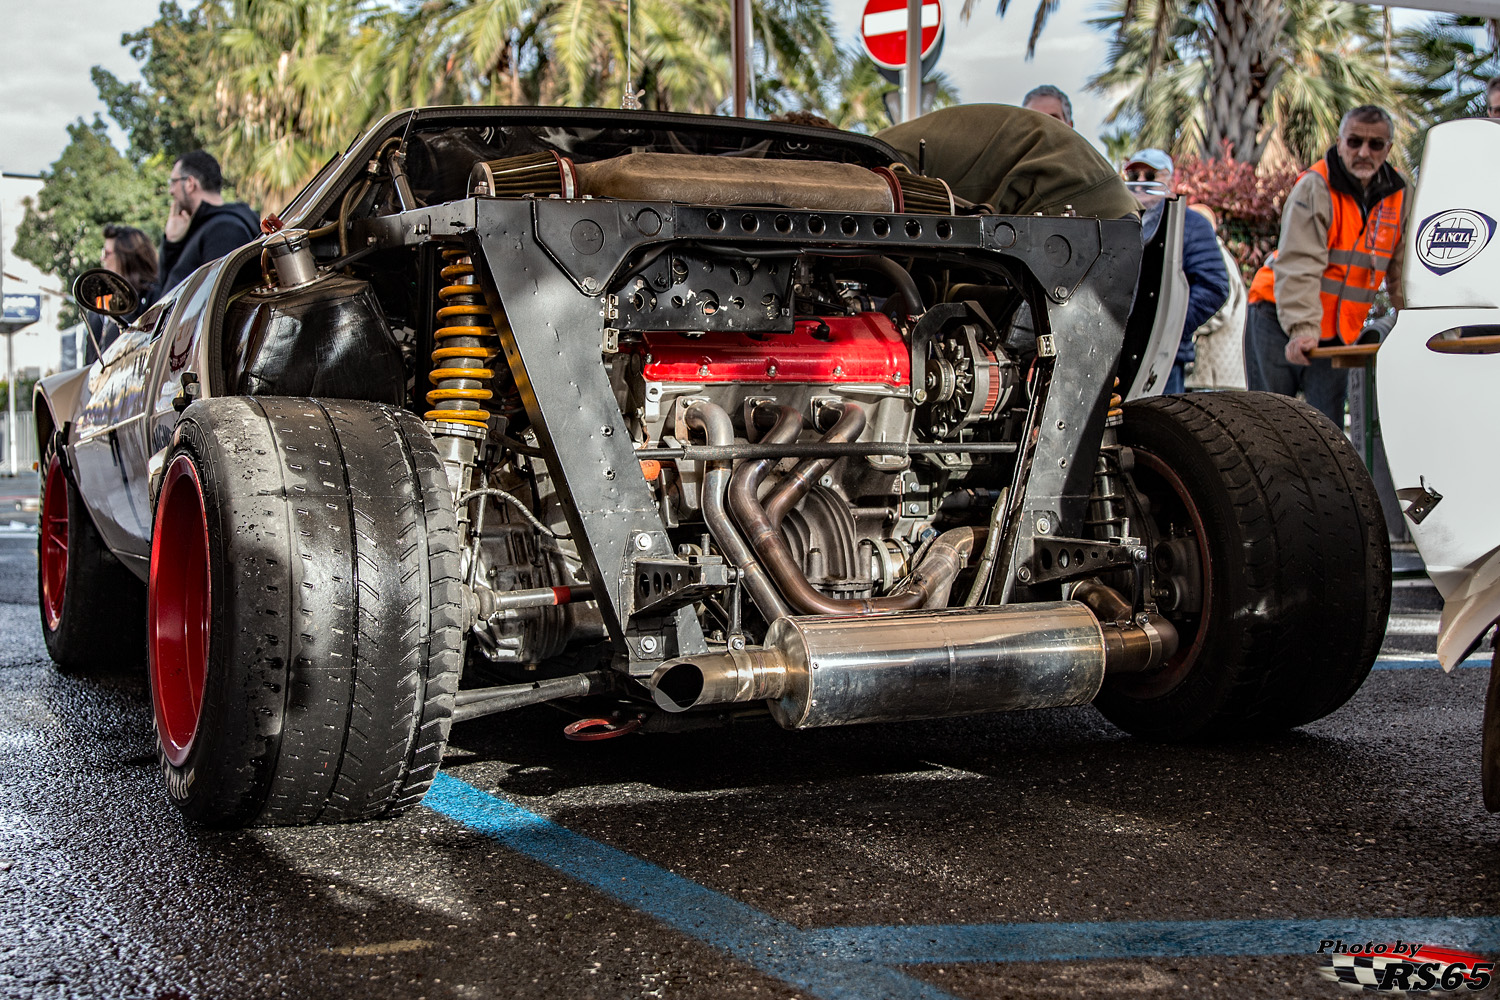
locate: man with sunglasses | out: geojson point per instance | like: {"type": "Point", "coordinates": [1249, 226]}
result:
{"type": "Point", "coordinates": [1341, 233]}
{"type": "Point", "coordinates": [200, 227]}
{"type": "Point", "coordinates": [1492, 98]}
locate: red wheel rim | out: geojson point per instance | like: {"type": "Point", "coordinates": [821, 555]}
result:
{"type": "Point", "coordinates": [54, 554]}
{"type": "Point", "coordinates": [1181, 663]}
{"type": "Point", "coordinates": [179, 609]}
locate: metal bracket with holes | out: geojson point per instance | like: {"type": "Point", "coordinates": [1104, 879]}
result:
{"type": "Point", "coordinates": [663, 584]}
{"type": "Point", "coordinates": [1070, 558]}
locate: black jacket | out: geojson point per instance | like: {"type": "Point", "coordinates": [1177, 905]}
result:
{"type": "Point", "coordinates": [214, 231]}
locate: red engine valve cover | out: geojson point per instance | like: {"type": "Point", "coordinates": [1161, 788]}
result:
{"type": "Point", "coordinates": [829, 349]}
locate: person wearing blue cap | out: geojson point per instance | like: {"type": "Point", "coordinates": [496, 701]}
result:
{"type": "Point", "coordinates": [1149, 172]}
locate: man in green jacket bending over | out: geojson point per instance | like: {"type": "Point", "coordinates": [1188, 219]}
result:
{"type": "Point", "coordinates": [1018, 161]}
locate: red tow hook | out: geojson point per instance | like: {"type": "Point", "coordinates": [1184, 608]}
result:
{"type": "Point", "coordinates": [589, 730]}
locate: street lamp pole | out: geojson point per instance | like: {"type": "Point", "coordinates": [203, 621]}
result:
{"type": "Point", "coordinates": [10, 383]}
{"type": "Point", "coordinates": [10, 366]}
{"type": "Point", "coordinates": [912, 78]}
{"type": "Point", "coordinates": [739, 53]}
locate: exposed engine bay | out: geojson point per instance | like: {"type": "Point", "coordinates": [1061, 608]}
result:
{"type": "Point", "coordinates": [716, 416]}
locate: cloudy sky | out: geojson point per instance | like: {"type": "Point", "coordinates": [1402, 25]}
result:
{"type": "Point", "coordinates": [44, 77]}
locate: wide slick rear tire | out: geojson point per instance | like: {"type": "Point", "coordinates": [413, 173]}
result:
{"type": "Point", "coordinates": [305, 617]}
{"type": "Point", "coordinates": [1292, 565]}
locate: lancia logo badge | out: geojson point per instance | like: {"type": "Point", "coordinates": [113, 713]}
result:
{"type": "Point", "coordinates": [1449, 240]}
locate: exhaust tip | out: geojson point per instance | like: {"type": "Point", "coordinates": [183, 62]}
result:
{"type": "Point", "coordinates": [677, 685]}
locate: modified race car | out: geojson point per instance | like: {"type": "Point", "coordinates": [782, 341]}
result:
{"type": "Point", "coordinates": [674, 421]}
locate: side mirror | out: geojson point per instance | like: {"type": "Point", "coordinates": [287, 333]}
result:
{"type": "Point", "coordinates": [99, 290]}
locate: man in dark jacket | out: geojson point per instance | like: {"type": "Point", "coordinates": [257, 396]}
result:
{"type": "Point", "coordinates": [201, 227]}
{"type": "Point", "coordinates": [1150, 170]}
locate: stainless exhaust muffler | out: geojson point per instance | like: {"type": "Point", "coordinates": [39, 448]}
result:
{"type": "Point", "coordinates": [842, 669]}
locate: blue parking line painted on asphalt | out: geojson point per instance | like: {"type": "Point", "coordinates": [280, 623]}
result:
{"type": "Point", "coordinates": [918, 945]}
{"type": "Point", "coordinates": [857, 963]}
{"type": "Point", "coordinates": [1393, 664]}
{"type": "Point", "coordinates": [772, 946]}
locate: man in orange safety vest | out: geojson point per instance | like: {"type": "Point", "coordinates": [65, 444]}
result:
{"type": "Point", "coordinates": [1341, 236]}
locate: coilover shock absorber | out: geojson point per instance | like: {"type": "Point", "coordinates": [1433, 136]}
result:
{"type": "Point", "coordinates": [459, 420]}
{"type": "Point", "coordinates": [1106, 507]}
{"type": "Point", "coordinates": [463, 349]}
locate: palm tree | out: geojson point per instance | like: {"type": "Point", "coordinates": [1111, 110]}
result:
{"type": "Point", "coordinates": [1164, 58]}
{"type": "Point", "coordinates": [799, 63]}
{"type": "Point", "coordinates": [580, 52]}
{"type": "Point", "coordinates": [288, 83]}
{"type": "Point", "coordinates": [1239, 41]}
{"type": "Point", "coordinates": [1156, 104]}
{"type": "Point", "coordinates": [858, 94]}
{"type": "Point", "coordinates": [283, 84]}
{"type": "Point", "coordinates": [1446, 62]}
{"type": "Point", "coordinates": [861, 101]}
{"type": "Point", "coordinates": [1335, 61]}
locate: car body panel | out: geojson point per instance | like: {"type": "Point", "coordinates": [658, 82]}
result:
{"type": "Point", "coordinates": [119, 411]}
{"type": "Point", "coordinates": [1436, 414]}
{"type": "Point", "coordinates": [1169, 310]}
{"type": "Point", "coordinates": [1438, 410]}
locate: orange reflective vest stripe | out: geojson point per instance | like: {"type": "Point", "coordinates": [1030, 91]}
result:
{"type": "Point", "coordinates": [1359, 252]}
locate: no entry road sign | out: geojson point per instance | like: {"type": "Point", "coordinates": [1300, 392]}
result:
{"type": "Point", "coordinates": [883, 30]}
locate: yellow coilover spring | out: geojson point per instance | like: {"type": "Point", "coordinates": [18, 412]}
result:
{"type": "Point", "coordinates": [1116, 406]}
{"type": "Point", "coordinates": [463, 347]}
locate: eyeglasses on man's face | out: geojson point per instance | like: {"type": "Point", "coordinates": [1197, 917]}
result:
{"type": "Point", "coordinates": [1139, 174]}
{"type": "Point", "coordinates": [1376, 144]}
{"type": "Point", "coordinates": [174, 180]}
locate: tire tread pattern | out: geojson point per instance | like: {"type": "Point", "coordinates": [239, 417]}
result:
{"type": "Point", "coordinates": [343, 621]}
{"type": "Point", "coordinates": [1302, 578]}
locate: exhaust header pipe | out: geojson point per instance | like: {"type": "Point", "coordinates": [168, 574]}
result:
{"type": "Point", "coordinates": [839, 670]}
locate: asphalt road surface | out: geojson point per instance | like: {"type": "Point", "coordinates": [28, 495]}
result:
{"type": "Point", "coordinates": [1042, 854]}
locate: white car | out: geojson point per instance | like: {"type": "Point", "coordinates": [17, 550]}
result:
{"type": "Point", "coordinates": [1436, 378]}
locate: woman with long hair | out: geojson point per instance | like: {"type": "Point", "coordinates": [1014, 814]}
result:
{"type": "Point", "coordinates": [129, 253]}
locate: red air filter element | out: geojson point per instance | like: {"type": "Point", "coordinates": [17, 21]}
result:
{"type": "Point", "coordinates": [826, 349]}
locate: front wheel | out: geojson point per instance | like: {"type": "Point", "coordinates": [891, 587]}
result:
{"type": "Point", "coordinates": [93, 608]}
{"type": "Point", "coordinates": [305, 613]}
{"type": "Point", "coordinates": [1270, 555]}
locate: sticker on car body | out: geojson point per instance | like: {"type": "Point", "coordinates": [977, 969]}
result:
{"type": "Point", "coordinates": [1450, 239]}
